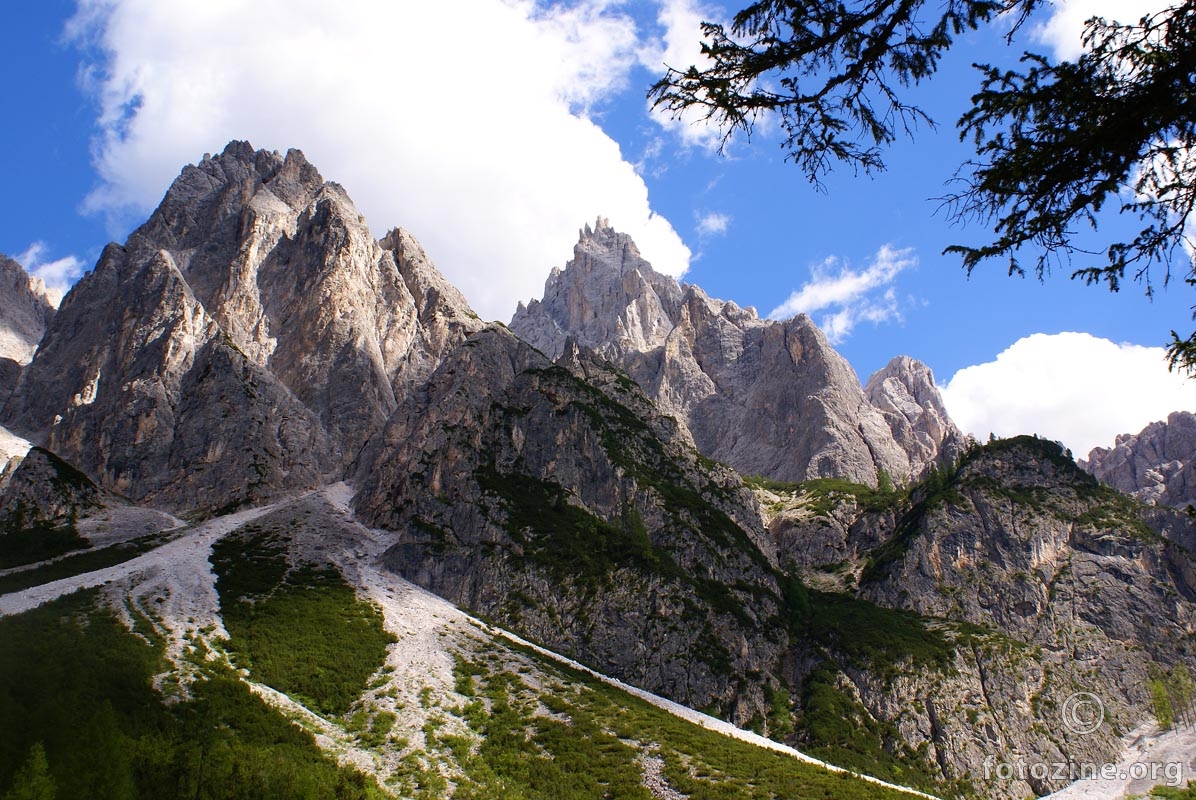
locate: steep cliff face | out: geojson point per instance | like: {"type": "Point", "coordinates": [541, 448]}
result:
{"type": "Point", "coordinates": [767, 398]}
{"type": "Point", "coordinates": [551, 497]}
{"type": "Point", "coordinates": [904, 392]}
{"type": "Point", "coordinates": [25, 312]}
{"type": "Point", "coordinates": [247, 340]}
{"type": "Point", "coordinates": [1061, 585]}
{"type": "Point", "coordinates": [1157, 464]}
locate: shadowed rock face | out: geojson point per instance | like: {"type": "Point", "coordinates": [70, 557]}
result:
{"type": "Point", "coordinates": [553, 498]}
{"type": "Point", "coordinates": [1157, 464]}
{"type": "Point", "coordinates": [46, 491]}
{"type": "Point", "coordinates": [251, 327]}
{"type": "Point", "coordinates": [768, 398]}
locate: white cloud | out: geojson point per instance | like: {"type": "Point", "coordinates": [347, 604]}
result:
{"type": "Point", "coordinates": [713, 224]}
{"type": "Point", "coordinates": [681, 47]}
{"type": "Point", "coordinates": [56, 275]}
{"type": "Point", "coordinates": [466, 123]}
{"type": "Point", "coordinates": [1063, 31]}
{"type": "Point", "coordinates": [1071, 387]}
{"type": "Point", "coordinates": [850, 296]}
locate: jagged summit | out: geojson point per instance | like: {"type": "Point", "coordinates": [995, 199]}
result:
{"type": "Point", "coordinates": [767, 397]}
{"type": "Point", "coordinates": [25, 311]}
{"type": "Point", "coordinates": [1157, 464]}
{"type": "Point", "coordinates": [253, 322]}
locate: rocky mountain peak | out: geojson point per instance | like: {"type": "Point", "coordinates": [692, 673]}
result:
{"type": "Point", "coordinates": [904, 391]}
{"type": "Point", "coordinates": [715, 366]}
{"type": "Point", "coordinates": [254, 302]}
{"type": "Point", "coordinates": [1157, 464]}
{"type": "Point", "coordinates": [25, 311]}
{"type": "Point", "coordinates": [608, 297]}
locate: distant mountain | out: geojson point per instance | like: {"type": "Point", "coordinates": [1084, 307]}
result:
{"type": "Point", "coordinates": [25, 312]}
{"type": "Point", "coordinates": [1157, 464]}
{"type": "Point", "coordinates": [767, 398]}
{"type": "Point", "coordinates": [245, 341]}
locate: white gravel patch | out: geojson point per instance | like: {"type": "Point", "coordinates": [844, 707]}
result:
{"type": "Point", "coordinates": [1151, 758]}
{"type": "Point", "coordinates": [182, 563]}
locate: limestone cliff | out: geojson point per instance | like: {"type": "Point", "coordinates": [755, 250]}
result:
{"type": "Point", "coordinates": [247, 340]}
{"type": "Point", "coordinates": [551, 497]}
{"type": "Point", "coordinates": [768, 398]}
{"type": "Point", "coordinates": [25, 311]}
{"type": "Point", "coordinates": [1052, 584]}
{"type": "Point", "coordinates": [1157, 464]}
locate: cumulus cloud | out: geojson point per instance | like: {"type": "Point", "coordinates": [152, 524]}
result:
{"type": "Point", "coordinates": [1072, 387]}
{"type": "Point", "coordinates": [679, 48]}
{"type": "Point", "coordinates": [1063, 31]}
{"type": "Point", "coordinates": [713, 224]}
{"type": "Point", "coordinates": [849, 296]}
{"type": "Point", "coordinates": [467, 123]}
{"type": "Point", "coordinates": [57, 274]}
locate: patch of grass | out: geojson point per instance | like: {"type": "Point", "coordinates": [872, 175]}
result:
{"type": "Point", "coordinates": [87, 561]}
{"type": "Point", "coordinates": [75, 681]}
{"type": "Point", "coordinates": [21, 545]}
{"type": "Point", "coordinates": [837, 728]}
{"type": "Point", "coordinates": [876, 638]}
{"type": "Point", "coordinates": [566, 540]}
{"type": "Point", "coordinates": [698, 763]}
{"type": "Point", "coordinates": [300, 629]}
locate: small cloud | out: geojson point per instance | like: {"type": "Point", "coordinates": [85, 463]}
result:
{"type": "Point", "coordinates": [713, 224]}
{"type": "Point", "coordinates": [1072, 387]}
{"type": "Point", "coordinates": [1063, 31]}
{"type": "Point", "coordinates": [57, 275]}
{"type": "Point", "coordinates": [850, 296]}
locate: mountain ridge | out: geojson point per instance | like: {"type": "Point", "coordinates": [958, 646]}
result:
{"type": "Point", "coordinates": [910, 603]}
{"type": "Point", "coordinates": [715, 366]}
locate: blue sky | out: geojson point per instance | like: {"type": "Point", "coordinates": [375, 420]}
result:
{"type": "Point", "coordinates": [494, 132]}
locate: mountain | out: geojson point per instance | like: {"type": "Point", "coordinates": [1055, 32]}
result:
{"type": "Point", "coordinates": [1157, 464]}
{"type": "Point", "coordinates": [245, 341]}
{"type": "Point", "coordinates": [25, 312]}
{"type": "Point", "coordinates": [552, 497]}
{"type": "Point", "coordinates": [1045, 583]}
{"type": "Point", "coordinates": [767, 398]}
{"type": "Point", "coordinates": [330, 428]}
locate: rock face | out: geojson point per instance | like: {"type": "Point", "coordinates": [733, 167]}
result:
{"type": "Point", "coordinates": [246, 340]}
{"type": "Point", "coordinates": [904, 392]}
{"type": "Point", "coordinates": [767, 398]}
{"type": "Point", "coordinates": [25, 312]}
{"type": "Point", "coordinates": [551, 497]}
{"type": "Point", "coordinates": [46, 491]}
{"type": "Point", "coordinates": [1156, 465]}
{"type": "Point", "coordinates": [1063, 585]}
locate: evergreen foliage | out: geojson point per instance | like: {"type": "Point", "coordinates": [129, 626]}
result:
{"type": "Point", "coordinates": [1056, 142]}
{"type": "Point", "coordinates": [300, 629]}
{"type": "Point", "coordinates": [75, 680]}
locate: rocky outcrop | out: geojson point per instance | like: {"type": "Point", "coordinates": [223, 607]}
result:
{"type": "Point", "coordinates": [1057, 585]}
{"type": "Point", "coordinates": [25, 312]}
{"type": "Point", "coordinates": [767, 398]}
{"type": "Point", "coordinates": [1156, 465]}
{"type": "Point", "coordinates": [45, 491]}
{"type": "Point", "coordinates": [247, 340]}
{"type": "Point", "coordinates": [551, 497]}
{"type": "Point", "coordinates": [904, 392]}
